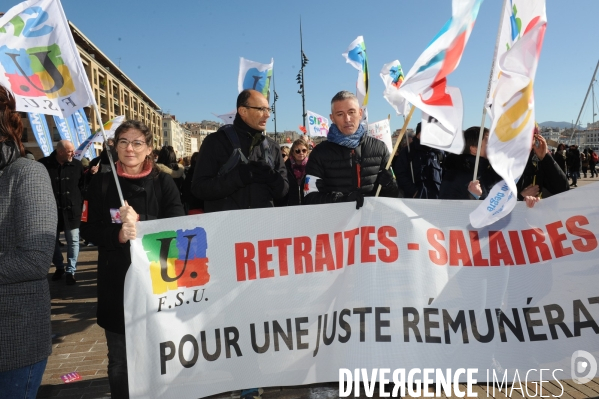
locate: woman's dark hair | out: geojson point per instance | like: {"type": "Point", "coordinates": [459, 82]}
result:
{"type": "Point", "coordinates": [471, 137]}
{"type": "Point", "coordinates": [167, 156]}
{"type": "Point", "coordinates": [137, 125]}
{"type": "Point", "coordinates": [11, 127]}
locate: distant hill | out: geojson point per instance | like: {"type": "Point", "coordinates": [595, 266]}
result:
{"type": "Point", "coordinates": [560, 125]}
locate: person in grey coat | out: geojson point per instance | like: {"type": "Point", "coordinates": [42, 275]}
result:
{"type": "Point", "coordinates": [27, 233]}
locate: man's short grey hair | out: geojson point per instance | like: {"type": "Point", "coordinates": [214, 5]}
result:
{"type": "Point", "coordinates": [342, 96]}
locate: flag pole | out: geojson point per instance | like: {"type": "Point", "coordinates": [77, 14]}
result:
{"type": "Point", "coordinates": [90, 94]}
{"type": "Point", "coordinates": [401, 134]}
{"type": "Point", "coordinates": [482, 123]}
{"type": "Point", "coordinates": [112, 164]}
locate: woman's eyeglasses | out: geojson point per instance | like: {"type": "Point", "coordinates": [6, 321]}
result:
{"type": "Point", "coordinates": [137, 145]}
{"type": "Point", "coordinates": [284, 154]}
{"type": "Point", "coordinates": [302, 151]}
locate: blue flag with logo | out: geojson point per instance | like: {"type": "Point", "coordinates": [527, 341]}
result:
{"type": "Point", "coordinates": [74, 128]}
{"type": "Point", "coordinates": [39, 126]}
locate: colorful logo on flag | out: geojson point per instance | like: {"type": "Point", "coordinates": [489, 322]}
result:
{"type": "Point", "coordinates": [37, 71]}
{"type": "Point", "coordinates": [259, 81]}
{"type": "Point", "coordinates": [177, 259]}
{"type": "Point", "coordinates": [396, 72]}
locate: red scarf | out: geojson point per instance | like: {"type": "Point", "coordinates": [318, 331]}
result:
{"type": "Point", "coordinates": [144, 172]}
{"type": "Point", "coordinates": [299, 170]}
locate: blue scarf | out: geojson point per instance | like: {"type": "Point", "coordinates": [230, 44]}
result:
{"type": "Point", "coordinates": [351, 141]}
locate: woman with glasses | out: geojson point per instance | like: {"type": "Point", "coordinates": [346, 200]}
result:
{"type": "Point", "coordinates": [148, 194]}
{"type": "Point", "coordinates": [296, 171]}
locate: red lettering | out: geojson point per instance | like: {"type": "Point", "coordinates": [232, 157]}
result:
{"type": "Point", "coordinates": [351, 245]}
{"type": "Point", "coordinates": [517, 247]}
{"type": "Point", "coordinates": [282, 244]}
{"type": "Point", "coordinates": [438, 255]}
{"type": "Point", "coordinates": [301, 255]}
{"type": "Point", "coordinates": [263, 258]}
{"type": "Point", "coordinates": [498, 250]}
{"type": "Point", "coordinates": [367, 244]}
{"type": "Point", "coordinates": [244, 256]}
{"type": "Point", "coordinates": [535, 239]}
{"type": "Point", "coordinates": [458, 249]}
{"type": "Point", "coordinates": [572, 224]}
{"type": "Point", "coordinates": [324, 254]}
{"type": "Point", "coordinates": [392, 253]}
{"type": "Point", "coordinates": [556, 240]}
{"type": "Point", "coordinates": [339, 249]}
{"type": "Point", "coordinates": [475, 243]}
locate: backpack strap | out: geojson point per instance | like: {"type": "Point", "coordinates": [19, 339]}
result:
{"type": "Point", "coordinates": [237, 154]}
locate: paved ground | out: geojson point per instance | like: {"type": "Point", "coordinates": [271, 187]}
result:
{"type": "Point", "coordinates": [79, 345]}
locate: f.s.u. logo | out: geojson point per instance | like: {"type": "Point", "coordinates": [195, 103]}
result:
{"type": "Point", "coordinates": [37, 71]}
{"type": "Point", "coordinates": [177, 259]}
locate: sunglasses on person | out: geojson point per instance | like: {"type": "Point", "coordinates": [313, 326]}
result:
{"type": "Point", "coordinates": [302, 151]}
{"type": "Point", "coordinates": [284, 154]}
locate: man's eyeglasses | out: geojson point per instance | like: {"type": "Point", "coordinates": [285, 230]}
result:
{"type": "Point", "coordinates": [302, 151]}
{"type": "Point", "coordinates": [264, 110]}
{"type": "Point", "coordinates": [137, 145]}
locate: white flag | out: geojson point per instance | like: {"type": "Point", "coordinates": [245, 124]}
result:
{"type": "Point", "coordinates": [426, 87]}
{"type": "Point", "coordinates": [256, 76]}
{"type": "Point", "coordinates": [393, 76]}
{"type": "Point", "coordinates": [512, 99]}
{"type": "Point", "coordinates": [499, 203]}
{"type": "Point", "coordinates": [39, 61]}
{"type": "Point", "coordinates": [109, 129]}
{"type": "Point", "coordinates": [318, 125]}
{"type": "Point", "coordinates": [357, 57]}
{"type": "Point", "coordinates": [381, 130]}
{"type": "Point", "coordinates": [228, 118]}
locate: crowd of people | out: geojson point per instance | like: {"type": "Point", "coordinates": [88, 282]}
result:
{"type": "Point", "coordinates": [237, 167]}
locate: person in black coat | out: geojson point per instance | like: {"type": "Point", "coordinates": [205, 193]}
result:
{"type": "Point", "coordinates": [255, 180]}
{"type": "Point", "coordinates": [67, 178]}
{"type": "Point", "coordinates": [192, 205]}
{"type": "Point", "coordinates": [573, 163]}
{"type": "Point", "coordinates": [296, 173]}
{"type": "Point", "coordinates": [350, 164]}
{"type": "Point", "coordinates": [149, 195]}
{"type": "Point", "coordinates": [542, 176]}
{"type": "Point", "coordinates": [458, 172]}
{"type": "Point", "coordinates": [418, 169]}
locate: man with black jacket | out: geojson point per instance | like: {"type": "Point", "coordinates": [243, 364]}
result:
{"type": "Point", "coordinates": [238, 166]}
{"type": "Point", "coordinates": [418, 169]}
{"type": "Point", "coordinates": [67, 178]}
{"type": "Point", "coordinates": [350, 164]}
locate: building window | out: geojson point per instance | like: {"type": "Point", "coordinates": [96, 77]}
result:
{"type": "Point", "coordinates": [24, 136]}
{"type": "Point", "coordinates": [55, 134]}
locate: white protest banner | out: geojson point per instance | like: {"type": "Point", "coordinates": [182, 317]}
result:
{"type": "Point", "coordinates": [381, 130]}
{"type": "Point", "coordinates": [39, 61]}
{"type": "Point", "coordinates": [224, 301]}
{"type": "Point", "coordinates": [318, 125]}
{"type": "Point", "coordinates": [254, 75]}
